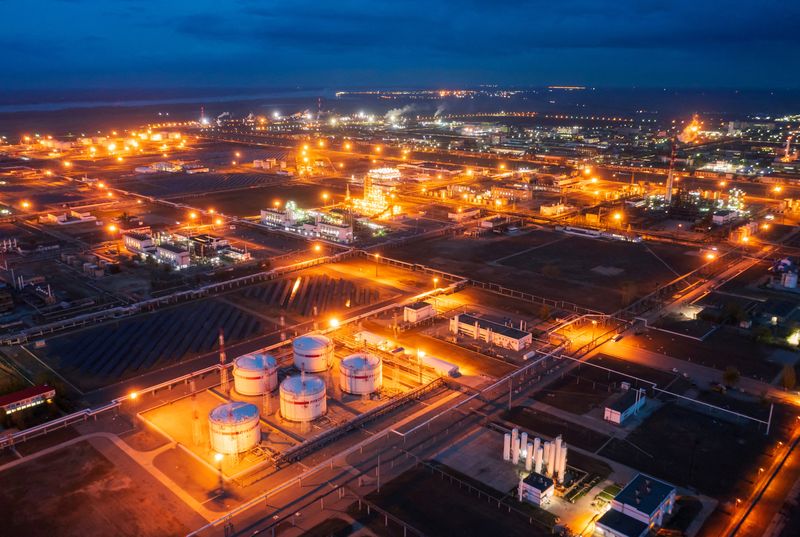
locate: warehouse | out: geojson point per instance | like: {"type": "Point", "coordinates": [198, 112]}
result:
{"type": "Point", "coordinates": [641, 505]}
{"type": "Point", "coordinates": [491, 332]}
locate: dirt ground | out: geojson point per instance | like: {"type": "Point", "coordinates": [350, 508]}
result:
{"type": "Point", "coordinates": [76, 491]}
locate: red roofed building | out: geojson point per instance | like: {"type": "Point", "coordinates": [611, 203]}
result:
{"type": "Point", "coordinates": [26, 398]}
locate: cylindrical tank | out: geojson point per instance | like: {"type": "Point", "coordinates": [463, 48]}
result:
{"type": "Point", "coordinates": [303, 398]}
{"type": "Point", "coordinates": [255, 374]}
{"type": "Point", "coordinates": [313, 353]}
{"type": "Point", "coordinates": [234, 427]}
{"type": "Point", "coordinates": [361, 374]}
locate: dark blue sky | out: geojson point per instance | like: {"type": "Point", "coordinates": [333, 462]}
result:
{"type": "Point", "coordinates": [350, 43]}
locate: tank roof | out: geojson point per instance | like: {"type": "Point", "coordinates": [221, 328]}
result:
{"type": "Point", "coordinates": [360, 361]}
{"type": "Point", "coordinates": [311, 342]}
{"type": "Point", "coordinates": [297, 385]}
{"type": "Point", "coordinates": [234, 412]}
{"type": "Point", "coordinates": [256, 361]}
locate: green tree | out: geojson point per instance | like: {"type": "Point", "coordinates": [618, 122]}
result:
{"type": "Point", "coordinates": [730, 376]}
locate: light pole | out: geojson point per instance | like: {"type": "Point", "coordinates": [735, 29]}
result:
{"type": "Point", "coordinates": [594, 325]}
{"type": "Point", "coordinates": [377, 258]}
{"type": "Point", "coordinates": [218, 459]}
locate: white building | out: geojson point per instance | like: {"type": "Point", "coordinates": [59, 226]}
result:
{"type": "Point", "coordinates": [418, 311]}
{"type": "Point", "coordinates": [174, 255]}
{"type": "Point", "coordinates": [491, 332]}
{"type": "Point", "coordinates": [624, 407]}
{"type": "Point", "coordinates": [460, 216]}
{"type": "Point", "coordinates": [536, 489]}
{"type": "Point", "coordinates": [641, 506]}
{"type": "Point", "coordinates": [336, 232]}
{"type": "Point", "coordinates": [138, 243]}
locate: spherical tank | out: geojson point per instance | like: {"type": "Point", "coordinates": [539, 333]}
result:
{"type": "Point", "coordinates": [303, 398]}
{"type": "Point", "coordinates": [234, 427]}
{"type": "Point", "coordinates": [361, 374]}
{"type": "Point", "coordinates": [255, 374]}
{"type": "Point", "coordinates": [313, 353]}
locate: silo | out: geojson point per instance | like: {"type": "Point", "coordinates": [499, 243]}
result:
{"type": "Point", "coordinates": [528, 456]}
{"type": "Point", "coordinates": [361, 374]}
{"type": "Point", "coordinates": [303, 398]}
{"type": "Point", "coordinates": [507, 447]}
{"type": "Point", "coordinates": [537, 459]}
{"type": "Point", "coordinates": [234, 428]}
{"type": "Point", "coordinates": [515, 445]}
{"type": "Point", "coordinates": [255, 374]}
{"type": "Point", "coordinates": [313, 353]}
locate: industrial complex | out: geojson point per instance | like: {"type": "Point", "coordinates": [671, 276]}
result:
{"type": "Point", "coordinates": [458, 319]}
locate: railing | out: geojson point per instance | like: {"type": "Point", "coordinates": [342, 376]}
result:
{"type": "Point", "coordinates": [306, 448]}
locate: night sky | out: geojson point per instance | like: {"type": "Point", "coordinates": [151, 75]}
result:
{"type": "Point", "coordinates": [364, 43]}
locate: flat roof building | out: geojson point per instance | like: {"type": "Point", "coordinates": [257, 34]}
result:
{"type": "Point", "coordinates": [176, 256]}
{"type": "Point", "coordinates": [536, 489]}
{"type": "Point", "coordinates": [418, 311]}
{"type": "Point", "coordinates": [625, 406]}
{"type": "Point", "coordinates": [491, 332]}
{"type": "Point", "coordinates": [640, 506]}
{"type": "Point", "coordinates": [26, 398]}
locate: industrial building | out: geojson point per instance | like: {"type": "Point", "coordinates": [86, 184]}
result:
{"type": "Point", "coordinates": [138, 243]}
{"type": "Point", "coordinates": [26, 398]}
{"type": "Point", "coordinates": [491, 332]}
{"type": "Point", "coordinates": [536, 489]}
{"type": "Point", "coordinates": [174, 255]}
{"type": "Point", "coordinates": [418, 311]}
{"type": "Point", "coordinates": [640, 506]}
{"type": "Point", "coordinates": [626, 406]}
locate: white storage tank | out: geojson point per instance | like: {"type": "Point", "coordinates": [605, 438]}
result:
{"type": "Point", "coordinates": [234, 428]}
{"type": "Point", "coordinates": [303, 398]}
{"type": "Point", "coordinates": [313, 353]}
{"type": "Point", "coordinates": [255, 374]}
{"type": "Point", "coordinates": [361, 374]}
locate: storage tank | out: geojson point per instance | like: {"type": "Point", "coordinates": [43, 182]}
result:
{"type": "Point", "coordinates": [313, 353]}
{"type": "Point", "coordinates": [255, 374]}
{"type": "Point", "coordinates": [303, 398]}
{"type": "Point", "coordinates": [234, 428]}
{"type": "Point", "coordinates": [361, 374]}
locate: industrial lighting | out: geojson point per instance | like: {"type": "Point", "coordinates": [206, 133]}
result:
{"type": "Point", "coordinates": [218, 221]}
{"type": "Point", "coordinates": [317, 248]}
{"type": "Point", "coordinates": [347, 146]}
{"type": "Point", "coordinates": [617, 216]}
{"type": "Point", "coordinates": [133, 396]}
{"type": "Point", "coordinates": [334, 323]}
{"type": "Point", "coordinates": [26, 204]}
{"type": "Point", "coordinates": [218, 457]}
{"type": "Point", "coordinates": [711, 256]}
